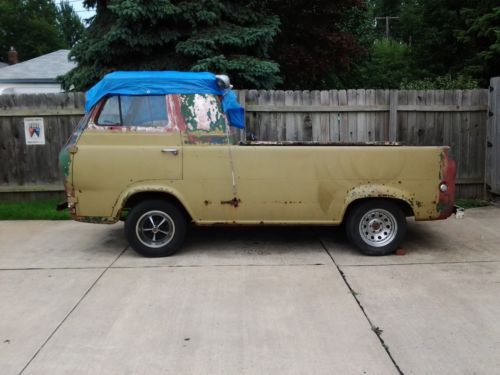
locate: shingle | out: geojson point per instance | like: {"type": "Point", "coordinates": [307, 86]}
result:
{"type": "Point", "coordinates": [45, 67]}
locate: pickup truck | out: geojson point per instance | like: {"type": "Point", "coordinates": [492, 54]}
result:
{"type": "Point", "coordinates": [160, 150]}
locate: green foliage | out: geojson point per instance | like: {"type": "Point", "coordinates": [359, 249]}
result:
{"type": "Point", "coordinates": [231, 37]}
{"type": "Point", "coordinates": [389, 63]}
{"type": "Point", "coordinates": [481, 34]}
{"type": "Point", "coordinates": [37, 27]}
{"type": "Point", "coordinates": [42, 209]}
{"type": "Point", "coordinates": [30, 26]}
{"type": "Point", "coordinates": [297, 44]}
{"type": "Point", "coordinates": [446, 82]}
{"type": "Point", "coordinates": [69, 23]}
{"type": "Point", "coordinates": [472, 203]}
{"type": "Point", "coordinates": [448, 38]}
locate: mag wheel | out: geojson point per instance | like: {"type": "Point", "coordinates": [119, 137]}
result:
{"type": "Point", "coordinates": [155, 228]}
{"type": "Point", "coordinates": [376, 227]}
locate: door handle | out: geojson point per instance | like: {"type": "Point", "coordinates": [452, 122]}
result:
{"type": "Point", "coordinates": [173, 151]}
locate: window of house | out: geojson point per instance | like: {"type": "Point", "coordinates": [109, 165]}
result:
{"type": "Point", "coordinates": [141, 111]}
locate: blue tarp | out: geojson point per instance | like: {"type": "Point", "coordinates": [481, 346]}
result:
{"type": "Point", "coordinates": [162, 83]}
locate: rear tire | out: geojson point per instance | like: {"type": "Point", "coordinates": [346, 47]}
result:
{"type": "Point", "coordinates": [155, 228]}
{"type": "Point", "coordinates": [376, 227]}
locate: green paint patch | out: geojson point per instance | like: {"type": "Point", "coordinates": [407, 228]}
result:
{"type": "Point", "coordinates": [64, 161]}
{"type": "Point", "coordinates": [203, 112]}
{"type": "Point", "coordinates": [42, 209]}
{"type": "Point", "coordinates": [471, 203]}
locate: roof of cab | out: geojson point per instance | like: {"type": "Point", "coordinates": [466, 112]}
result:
{"type": "Point", "coordinates": [163, 83]}
{"type": "Point", "coordinates": [152, 83]}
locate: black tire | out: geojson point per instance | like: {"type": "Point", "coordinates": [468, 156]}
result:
{"type": "Point", "coordinates": [155, 228]}
{"type": "Point", "coordinates": [376, 227]}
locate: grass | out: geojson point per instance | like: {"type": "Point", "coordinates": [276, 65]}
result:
{"type": "Point", "coordinates": [42, 209]}
{"type": "Point", "coordinates": [471, 203]}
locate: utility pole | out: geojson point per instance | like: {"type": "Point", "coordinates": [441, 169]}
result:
{"type": "Point", "coordinates": [387, 18]}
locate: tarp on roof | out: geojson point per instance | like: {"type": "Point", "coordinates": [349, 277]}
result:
{"type": "Point", "coordinates": [163, 83]}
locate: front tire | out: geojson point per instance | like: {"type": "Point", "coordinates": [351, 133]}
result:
{"type": "Point", "coordinates": [155, 228]}
{"type": "Point", "coordinates": [376, 227]}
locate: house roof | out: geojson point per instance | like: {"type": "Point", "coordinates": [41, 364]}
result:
{"type": "Point", "coordinates": [41, 69]}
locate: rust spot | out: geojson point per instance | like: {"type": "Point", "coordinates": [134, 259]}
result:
{"type": "Point", "coordinates": [207, 202]}
{"type": "Point", "coordinates": [400, 251]}
{"type": "Point", "coordinates": [235, 202]}
{"type": "Point", "coordinates": [418, 203]}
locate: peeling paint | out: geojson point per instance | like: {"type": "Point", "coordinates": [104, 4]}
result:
{"type": "Point", "coordinates": [95, 219]}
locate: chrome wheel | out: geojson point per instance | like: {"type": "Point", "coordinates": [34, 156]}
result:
{"type": "Point", "coordinates": [378, 227]}
{"type": "Point", "coordinates": [155, 229]}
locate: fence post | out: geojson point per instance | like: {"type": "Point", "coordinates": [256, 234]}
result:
{"type": "Point", "coordinates": [492, 164]}
{"type": "Point", "coordinates": [242, 100]}
{"type": "Point", "coordinates": [393, 117]}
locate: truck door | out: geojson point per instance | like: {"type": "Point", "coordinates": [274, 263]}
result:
{"type": "Point", "coordinates": [128, 139]}
{"type": "Point", "coordinates": [207, 173]}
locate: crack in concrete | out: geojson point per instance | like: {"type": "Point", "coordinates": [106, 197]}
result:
{"type": "Point", "coordinates": [375, 329]}
{"type": "Point", "coordinates": [162, 266]}
{"type": "Point", "coordinates": [70, 312]}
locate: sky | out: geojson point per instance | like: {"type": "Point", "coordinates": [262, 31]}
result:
{"type": "Point", "coordinates": [80, 10]}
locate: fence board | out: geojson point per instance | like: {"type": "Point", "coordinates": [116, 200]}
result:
{"type": "Point", "coordinates": [402, 118]}
{"type": "Point", "coordinates": [439, 118]}
{"type": "Point", "coordinates": [334, 121]}
{"type": "Point", "coordinates": [344, 117]}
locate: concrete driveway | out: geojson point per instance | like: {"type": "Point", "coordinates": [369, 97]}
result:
{"type": "Point", "coordinates": [75, 300]}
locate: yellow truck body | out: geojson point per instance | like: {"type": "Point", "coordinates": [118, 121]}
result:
{"type": "Point", "coordinates": [194, 160]}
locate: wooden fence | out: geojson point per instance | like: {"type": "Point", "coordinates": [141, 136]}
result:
{"type": "Point", "coordinates": [457, 118]}
{"type": "Point", "coordinates": [34, 168]}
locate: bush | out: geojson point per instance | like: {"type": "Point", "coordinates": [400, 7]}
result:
{"type": "Point", "coordinates": [446, 82]}
{"type": "Point", "coordinates": [389, 63]}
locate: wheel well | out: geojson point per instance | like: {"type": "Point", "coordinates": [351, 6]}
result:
{"type": "Point", "coordinates": [152, 195]}
{"type": "Point", "coordinates": [405, 206]}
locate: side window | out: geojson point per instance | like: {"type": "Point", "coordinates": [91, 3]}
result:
{"type": "Point", "coordinates": [144, 110]}
{"type": "Point", "coordinates": [110, 113]}
{"type": "Point", "coordinates": [140, 111]}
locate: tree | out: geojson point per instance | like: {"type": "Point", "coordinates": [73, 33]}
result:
{"type": "Point", "coordinates": [30, 26]}
{"type": "Point", "coordinates": [481, 34]}
{"type": "Point", "coordinates": [388, 64]}
{"type": "Point", "coordinates": [230, 37]}
{"type": "Point", "coordinates": [455, 43]}
{"type": "Point", "coordinates": [69, 23]}
{"type": "Point", "coordinates": [318, 37]}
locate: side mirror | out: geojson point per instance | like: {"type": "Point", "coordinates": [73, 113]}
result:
{"type": "Point", "coordinates": [223, 81]}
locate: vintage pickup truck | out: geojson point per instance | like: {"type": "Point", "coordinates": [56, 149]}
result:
{"type": "Point", "coordinates": [159, 150]}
